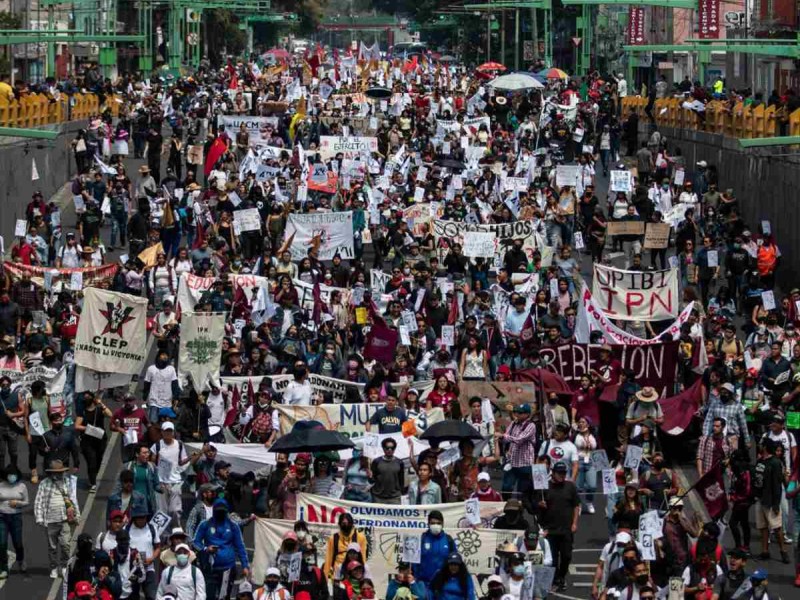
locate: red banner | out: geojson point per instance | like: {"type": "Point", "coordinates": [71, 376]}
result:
{"type": "Point", "coordinates": [635, 32]}
{"type": "Point", "coordinates": [711, 489]}
{"type": "Point", "coordinates": [708, 19]}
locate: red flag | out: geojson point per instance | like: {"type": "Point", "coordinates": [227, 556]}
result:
{"type": "Point", "coordinates": [215, 152]}
{"type": "Point", "coordinates": [319, 305]}
{"type": "Point", "coordinates": [199, 236]}
{"type": "Point", "coordinates": [241, 304]}
{"type": "Point", "coordinates": [411, 65]}
{"type": "Point", "coordinates": [380, 344]}
{"type": "Point", "coordinates": [314, 62]}
{"type": "Point", "coordinates": [711, 489]}
{"type": "Point", "coordinates": [452, 315]}
{"type": "Point", "coordinates": [234, 82]}
{"type": "Point", "coordinates": [679, 410]}
{"type": "Point", "coordinates": [251, 393]}
{"type": "Point", "coordinates": [527, 334]}
{"type": "Point", "coordinates": [233, 411]}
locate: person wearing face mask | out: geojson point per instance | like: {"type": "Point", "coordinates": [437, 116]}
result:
{"type": "Point", "coordinates": [436, 546]}
{"type": "Point", "coordinates": [403, 581]}
{"type": "Point", "coordinates": [272, 588]}
{"type": "Point", "coordinates": [338, 544]}
{"type": "Point", "coordinates": [91, 424]}
{"type": "Point", "coordinates": [12, 411]}
{"type": "Point", "coordinates": [61, 443]}
{"type": "Point", "coordinates": [558, 514]}
{"type": "Point", "coordinates": [299, 391]}
{"type": "Point", "coordinates": [658, 483]}
{"type": "Point", "coordinates": [312, 579]}
{"type": "Point", "coordinates": [131, 423]}
{"type": "Point", "coordinates": [221, 539]}
{"type": "Point", "coordinates": [13, 500]}
{"type": "Point", "coordinates": [183, 580]}
{"type": "Point", "coordinates": [517, 579]}
{"type": "Point", "coordinates": [56, 509]}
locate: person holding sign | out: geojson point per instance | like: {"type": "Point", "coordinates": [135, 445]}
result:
{"type": "Point", "coordinates": [92, 426]}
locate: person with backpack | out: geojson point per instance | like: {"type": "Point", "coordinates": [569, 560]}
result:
{"type": "Point", "coordinates": [272, 588]}
{"type": "Point", "coordinates": [184, 581]}
{"type": "Point", "coordinates": [144, 539]}
{"type": "Point", "coordinates": [336, 548]}
{"type": "Point", "coordinates": [659, 484]}
{"type": "Point", "coordinates": [220, 541]}
{"type": "Point", "coordinates": [436, 546]}
{"type": "Point", "coordinates": [312, 579]}
{"type": "Point", "coordinates": [170, 455]}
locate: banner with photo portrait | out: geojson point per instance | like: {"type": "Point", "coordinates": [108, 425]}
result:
{"type": "Point", "coordinates": [333, 230]}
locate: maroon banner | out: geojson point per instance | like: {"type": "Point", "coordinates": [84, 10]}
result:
{"type": "Point", "coordinates": [711, 489]}
{"type": "Point", "coordinates": [380, 344]}
{"type": "Point", "coordinates": [655, 365]}
{"type": "Point", "coordinates": [635, 31]}
{"type": "Point", "coordinates": [708, 19]}
{"type": "Point", "coordinates": [679, 410]}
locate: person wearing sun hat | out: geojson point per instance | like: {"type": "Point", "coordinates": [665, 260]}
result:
{"type": "Point", "coordinates": [644, 407]}
{"type": "Point", "coordinates": [56, 509]}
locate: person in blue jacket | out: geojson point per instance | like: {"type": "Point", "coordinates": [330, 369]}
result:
{"type": "Point", "coordinates": [219, 540]}
{"type": "Point", "coordinates": [436, 546]}
{"type": "Point", "coordinates": [405, 580]}
{"type": "Point", "coordinates": [453, 581]}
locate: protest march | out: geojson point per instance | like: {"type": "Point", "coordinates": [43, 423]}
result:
{"type": "Point", "coordinates": [393, 330]}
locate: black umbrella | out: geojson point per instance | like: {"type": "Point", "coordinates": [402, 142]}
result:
{"type": "Point", "coordinates": [451, 430]}
{"type": "Point", "coordinates": [378, 92]}
{"type": "Point", "coordinates": [451, 163]}
{"type": "Point", "coordinates": [312, 440]}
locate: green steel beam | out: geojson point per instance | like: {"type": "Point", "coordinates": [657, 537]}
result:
{"type": "Point", "coordinates": [667, 3]}
{"type": "Point", "coordinates": [494, 6]}
{"type": "Point", "coordinates": [7, 38]}
{"type": "Point", "coordinates": [773, 141]}
{"type": "Point", "coordinates": [785, 51]}
{"type": "Point", "coordinates": [37, 134]}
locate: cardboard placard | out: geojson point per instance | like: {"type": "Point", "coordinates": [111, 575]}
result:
{"type": "Point", "coordinates": [656, 236]}
{"type": "Point", "coordinates": [625, 228]}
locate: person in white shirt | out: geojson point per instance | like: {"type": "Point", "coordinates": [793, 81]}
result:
{"type": "Point", "coordinates": [515, 319]}
{"type": "Point", "coordinates": [661, 197]}
{"type": "Point", "coordinates": [70, 255]}
{"type": "Point", "coordinates": [688, 196]}
{"type": "Point", "coordinates": [560, 449]}
{"type": "Point", "coordinates": [299, 391]}
{"type": "Point", "coordinates": [184, 581]}
{"type": "Point", "coordinates": [217, 406]}
{"type": "Point", "coordinates": [160, 385]}
{"type": "Point", "coordinates": [107, 540]}
{"type": "Point", "coordinates": [171, 457]}
{"type": "Point", "coordinates": [144, 539]}
{"type": "Point", "coordinates": [272, 588]}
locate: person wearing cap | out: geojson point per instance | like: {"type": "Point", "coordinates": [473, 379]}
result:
{"type": "Point", "coordinates": [776, 371]}
{"type": "Point", "coordinates": [107, 540]}
{"type": "Point", "coordinates": [244, 591]}
{"type": "Point", "coordinates": [161, 387]}
{"type": "Point", "coordinates": [272, 589]}
{"type": "Point", "coordinates": [170, 455]}
{"type": "Point", "coordinates": [518, 443]}
{"type": "Point", "coordinates": [404, 580]}
{"type": "Point", "coordinates": [677, 530]}
{"type": "Point", "coordinates": [513, 518]}
{"type": "Point", "coordinates": [219, 537]}
{"type": "Point", "coordinates": [558, 513]}
{"type": "Point", "coordinates": [484, 491]}
{"type": "Point", "coordinates": [452, 581]}
{"type": "Point", "coordinates": [729, 585]}
{"type": "Point", "coordinates": [56, 509]}
{"type": "Point", "coordinates": [184, 580]}
{"type": "Point", "coordinates": [61, 443]}
{"type": "Point", "coordinates": [724, 405]}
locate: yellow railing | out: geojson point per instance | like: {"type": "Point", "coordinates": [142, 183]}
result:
{"type": "Point", "coordinates": [736, 122]}
{"type": "Point", "coordinates": [36, 110]}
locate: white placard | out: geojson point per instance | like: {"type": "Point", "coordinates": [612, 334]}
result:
{"type": "Point", "coordinates": [409, 321]}
{"type": "Point", "coordinates": [295, 562]}
{"type": "Point", "coordinates": [553, 288]}
{"type": "Point", "coordinates": [768, 300]}
{"type": "Point", "coordinates": [472, 510]}
{"type": "Point", "coordinates": [648, 546]}
{"type": "Point", "coordinates": [422, 174]}
{"type": "Point", "coordinates": [95, 432]}
{"type": "Point", "coordinates": [766, 227]}
{"type": "Point", "coordinates": [650, 524]}
{"type": "Point", "coordinates": [131, 437]}
{"type": "Point", "coordinates": [21, 228]}
{"type": "Point", "coordinates": [419, 194]}
{"type": "Point", "coordinates": [673, 262]}
{"type": "Point", "coordinates": [609, 481]}
{"type": "Point", "coordinates": [249, 219]}
{"type": "Point", "coordinates": [411, 548]}
{"type": "Point", "coordinates": [405, 339]}
{"type": "Point", "coordinates": [679, 177]}
{"type": "Point", "coordinates": [448, 335]}
{"type": "Point", "coordinates": [713, 258]}
{"type": "Point", "coordinates": [579, 245]}
{"type": "Point", "coordinates": [621, 181]}
{"type": "Point", "coordinates": [76, 281]}
{"type": "Point", "coordinates": [541, 480]}
{"type": "Point", "coordinates": [479, 244]}
{"type": "Point", "coordinates": [160, 522]}
{"type": "Point", "coordinates": [633, 456]}
{"type": "Point", "coordinates": [35, 422]}
{"type": "Point", "coordinates": [567, 175]}
{"type": "Point", "coordinates": [599, 460]}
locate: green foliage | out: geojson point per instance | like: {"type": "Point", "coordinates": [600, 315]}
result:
{"type": "Point", "coordinates": [10, 20]}
{"type": "Point", "coordinates": [224, 33]}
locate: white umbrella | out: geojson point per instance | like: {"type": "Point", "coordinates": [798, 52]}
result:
{"type": "Point", "coordinates": [515, 81]}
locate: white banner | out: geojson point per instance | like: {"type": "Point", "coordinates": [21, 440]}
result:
{"type": "Point", "coordinates": [592, 318]}
{"type": "Point", "coordinates": [191, 288]}
{"type": "Point", "coordinates": [321, 509]}
{"type": "Point", "coordinates": [200, 349]}
{"type": "Point", "coordinates": [477, 547]}
{"type": "Point", "coordinates": [479, 243]}
{"type": "Point", "coordinates": [349, 419]}
{"type": "Point", "coordinates": [112, 332]}
{"type": "Point", "coordinates": [350, 146]}
{"type": "Point", "coordinates": [636, 295]}
{"type": "Point", "coordinates": [305, 293]}
{"type": "Point", "coordinates": [249, 282]}
{"type": "Point", "coordinates": [247, 219]}
{"type": "Point", "coordinates": [94, 381]}
{"type": "Point", "coordinates": [256, 127]}
{"type": "Point", "coordinates": [334, 230]}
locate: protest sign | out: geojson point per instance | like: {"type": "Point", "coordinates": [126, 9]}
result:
{"type": "Point", "coordinates": [191, 289]}
{"type": "Point", "coordinates": [248, 219]}
{"type": "Point", "coordinates": [636, 295]}
{"type": "Point", "coordinates": [656, 236]}
{"type": "Point", "coordinates": [386, 546]}
{"type": "Point", "coordinates": [321, 509]}
{"type": "Point", "coordinates": [160, 521]}
{"type": "Point", "coordinates": [21, 228]}
{"type": "Point", "coordinates": [599, 460]}
{"type": "Point", "coordinates": [540, 477]}
{"type": "Point", "coordinates": [567, 175]}
{"type": "Point", "coordinates": [505, 234]}
{"type": "Point", "coordinates": [633, 456]}
{"type": "Point", "coordinates": [621, 181]}
{"type": "Point", "coordinates": [200, 351]}
{"type": "Point", "coordinates": [609, 481]}
{"type": "Point", "coordinates": [473, 511]}
{"type": "Point", "coordinates": [111, 332]}
{"type": "Point", "coordinates": [625, 228]}
{"type": "Point", "coordinates": [479, 243]}
{"type": "Point", "coordinates": [334, 231]}
{"type": "Point", "coordinates": [350, 146]}
{"type": "Point", "coordinates": [256, 127]}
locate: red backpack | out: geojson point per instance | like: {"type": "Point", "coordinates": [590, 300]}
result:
{"type": "Point", "coordinates": [261, 425]}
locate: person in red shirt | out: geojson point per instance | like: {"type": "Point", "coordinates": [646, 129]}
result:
{"type": "Point", "coordinates": [442, 395]}
{"type": "Point", "coordinates": [485, 491]}
{"type": "Point", "coordinates": [131, 421]}
{"type": "Point", "coordinates": [24, 253]}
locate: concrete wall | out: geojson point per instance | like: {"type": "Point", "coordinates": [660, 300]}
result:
{"type": "Point", "coordinates": [767, 186]}
{"type": "Point", "coordinates": [55, 163]}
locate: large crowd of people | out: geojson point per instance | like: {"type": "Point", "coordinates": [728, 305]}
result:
{"type": "Point", "coordinates": [408, 313]}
